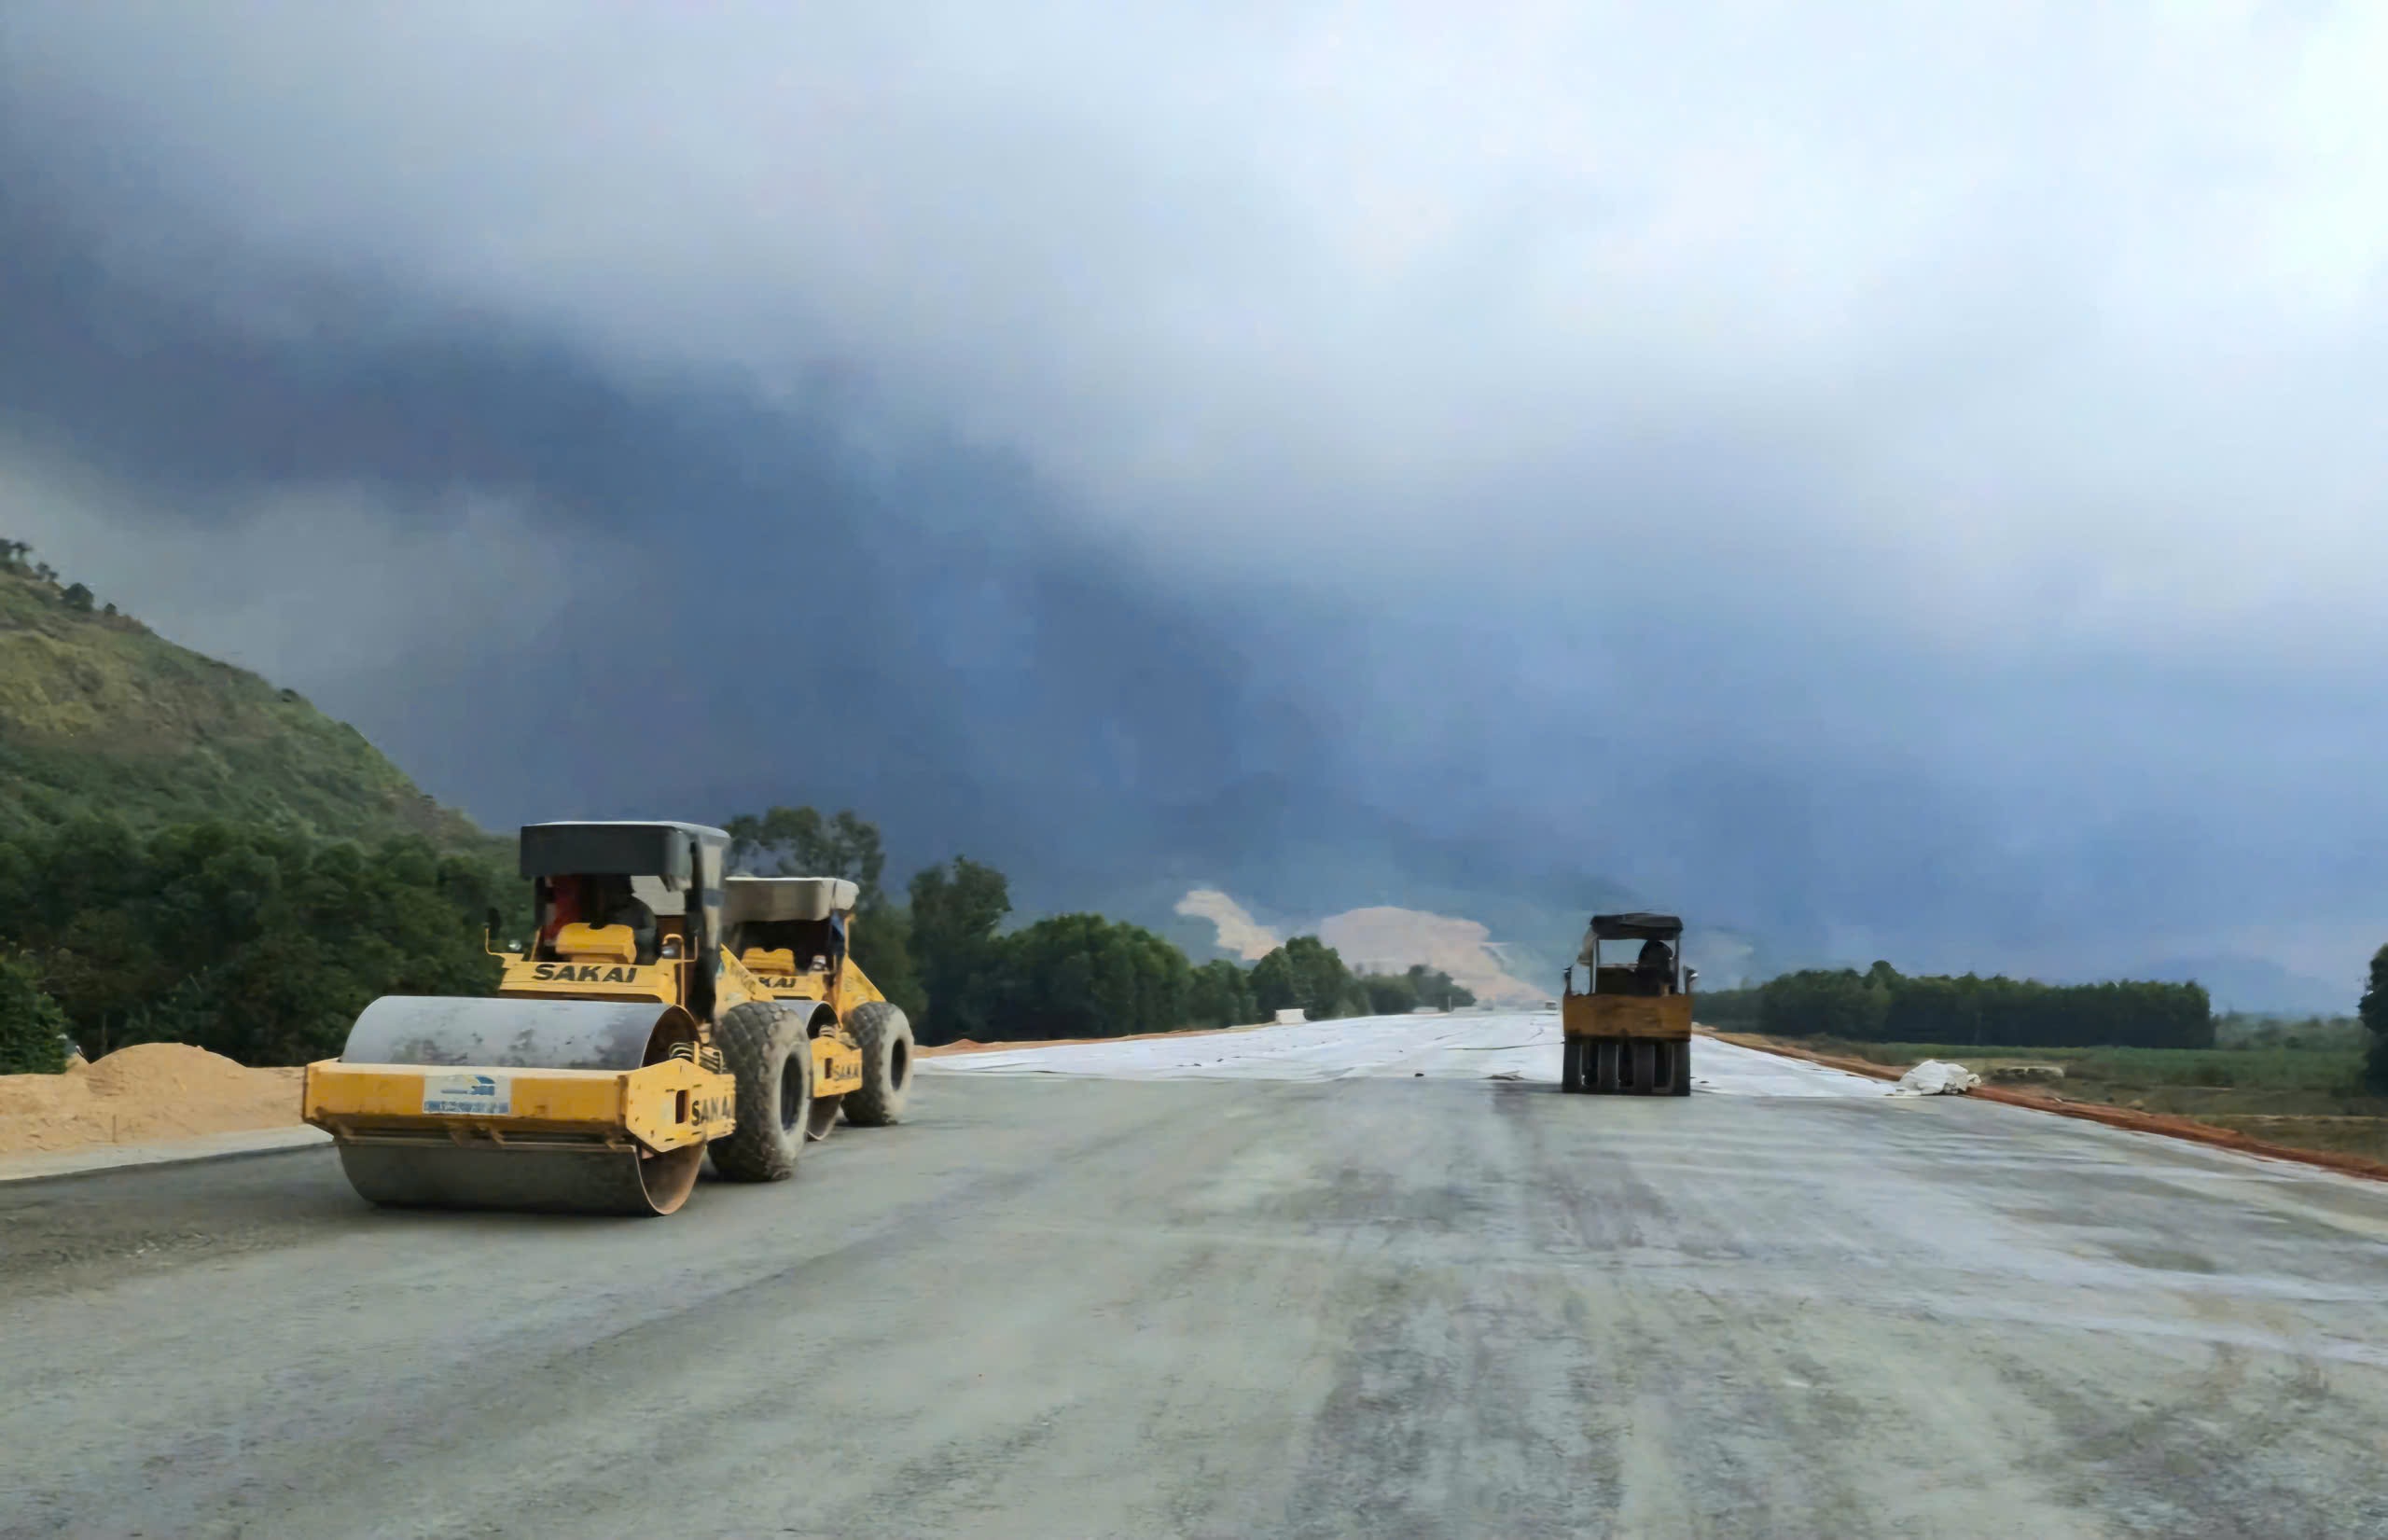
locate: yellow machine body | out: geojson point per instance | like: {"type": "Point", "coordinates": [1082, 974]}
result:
{"type": "Point", "coordinates": [1666, 1018]}
{"type": "Point", "coordinates": [1631, 1033]}
{"type": "Point", "coordinates": [660, 1106]}
{"type": "Point", "coordinates": [682, 1100]}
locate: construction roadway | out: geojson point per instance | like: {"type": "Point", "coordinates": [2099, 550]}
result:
{"type": "Point", "coordinates": [1405, 1300]}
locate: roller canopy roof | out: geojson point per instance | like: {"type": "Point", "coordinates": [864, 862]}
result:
{"type": "Point", "coordinates": [615, 849]}
{"type": "Point", "coordinates": [1640, 925]}
{"type": "Point", "coordinates": [768, 898]}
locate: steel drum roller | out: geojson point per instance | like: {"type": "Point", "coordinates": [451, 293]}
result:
{"type": "Point", "coordinates": [540, 1174]}
{"type": "Point", "coordinates": [515, 1034]}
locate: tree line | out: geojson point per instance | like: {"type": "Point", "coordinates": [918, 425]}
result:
{"type": "Point", "coordinates": [263, 945]}
{"type": "Point", "coordinates": [1883, 1005]}
{"type": "Point", "coordinates": [252, 942]}
{"type": "Point", "coordinates": [944, 955]}
{"type": "Point", "coordinates": [2373, 1012]}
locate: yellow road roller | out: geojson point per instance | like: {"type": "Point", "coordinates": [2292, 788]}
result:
{"type": "Point", "coordinates": [794, 934]}
{"type": "Point", "coordinates": [1632, 1034]}
{"type": "Point", "coordinates": [623, 1044]}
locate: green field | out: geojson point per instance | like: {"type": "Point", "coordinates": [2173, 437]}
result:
{"type": "Point", "coordinates": [2310, 1097]}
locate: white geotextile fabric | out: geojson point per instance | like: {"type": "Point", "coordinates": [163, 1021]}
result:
{"type": "Point", "coordinates": [1462, 1046]}
{"type": "Point", "coordinates": [1937, 1077]}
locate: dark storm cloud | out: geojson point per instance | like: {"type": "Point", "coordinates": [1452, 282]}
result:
{"type": "Point", "coordinates": [1907, 481]}
{"type": "Point", "coordinates": [739, 607]}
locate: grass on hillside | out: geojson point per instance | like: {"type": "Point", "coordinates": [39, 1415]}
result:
{"type": "Point", "coordinates": [99, 715]}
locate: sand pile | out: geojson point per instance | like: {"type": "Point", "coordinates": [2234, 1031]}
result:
{"type": "Point", "coordinates": [1381, 938]}
{"type": "Point", "coordinates": [1389, 940]}
{"type": "Point", "coordinates": [144, 1094]}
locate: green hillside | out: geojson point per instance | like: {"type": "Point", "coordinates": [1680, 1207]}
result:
{"type": "Point", "coordinates": [99, 715]}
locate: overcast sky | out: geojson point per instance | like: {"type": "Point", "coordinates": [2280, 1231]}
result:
{"type": "Point", "coordinates": [1912, 473]}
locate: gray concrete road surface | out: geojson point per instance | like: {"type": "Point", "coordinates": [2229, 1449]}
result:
{"type": "Point", "coordinates": [1056, 1307]}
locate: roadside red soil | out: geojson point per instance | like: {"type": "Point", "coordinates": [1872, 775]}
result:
{"type": "Point", "coordinates": [1785, 1050]}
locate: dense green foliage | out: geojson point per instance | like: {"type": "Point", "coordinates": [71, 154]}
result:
{"type": "Point", "coordinates": [2373, 1012]}
{"type": "Point", "coordinates": [1307, 975]}
{"type": "Point", "coordinates": [1882, 1005]}
{"type": "Point", "coordinates": [1399, 993]}
{"type": "Point", "coordinates": [1069, 976]}
{"type": "Point", "coordinates": [1816, 1004]}
{"type": "Point", "coordinates": [32, 1028]}
{"type": "Point", "coordinates": [1434, 986]}
{"type": "Point", "coordinates": [1388, 994]}
{"type": "Point", "coordinates": [1083, 976]}
{"type": "Point", "coordinates": [955, 913]}
{"type": "Point", "coordinates": [1735, 1010]}
{"type": "Point", "coordinates": [254, 943]}
{"type": "Point", "coordinates": [100, 716]}
{"type": "Point", "coordinates": [799, 843]}
{"type": "Point", "coordinates": [1219, 994]}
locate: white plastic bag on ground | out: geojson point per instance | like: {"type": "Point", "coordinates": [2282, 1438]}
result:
{"type": "Point", "coordinates": [1937, 1077]}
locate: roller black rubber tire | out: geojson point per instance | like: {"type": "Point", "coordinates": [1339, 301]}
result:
{"type": "Point", "coordinates": [1604, 1057]}
{"type": "Point", "coordinates": [1571, 1065]}
{"type": "Point", "coordinates": [1681, 1084]}
{"type": "Point", "coordinates": [884, 1034]}
{"type": "Point", "coordinates": [1645, 1066]}
{"type": "Point", "coordinates": [759, 1040]}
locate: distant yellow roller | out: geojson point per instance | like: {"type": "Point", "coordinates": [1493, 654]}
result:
{"type": "Point", "coordinates": [1631, 1032]}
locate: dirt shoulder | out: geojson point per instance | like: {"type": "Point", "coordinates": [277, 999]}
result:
{"type": "Point", "coordinates": [157, 1093]}
{"type": "Point", "coordinates": [148, 1094]}
{"type": "Point", "coordinates": [1789, 1050]}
